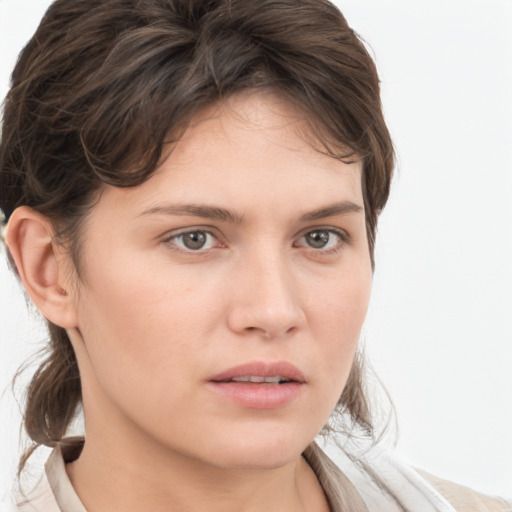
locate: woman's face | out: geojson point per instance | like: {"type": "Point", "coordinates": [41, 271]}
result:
{"type": "Point", "coordinates": [222, 300]}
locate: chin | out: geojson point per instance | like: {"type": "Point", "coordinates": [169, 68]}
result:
{"type": "Point", "coordinates": [258, 452]}
{"type": "Point", "coordinates": [256, 461]}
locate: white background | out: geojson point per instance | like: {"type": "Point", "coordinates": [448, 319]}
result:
{"type": "Point", "coordinates": [439, 331]}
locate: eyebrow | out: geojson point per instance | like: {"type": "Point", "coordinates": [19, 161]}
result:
{"type": "Point", "coordinates": [197, 210]}
{"type": "Point", "coordinates": [225, 215]}
{"type": "Point", "coordinates": [332, 210]}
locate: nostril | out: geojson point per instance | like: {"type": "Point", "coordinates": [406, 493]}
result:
{"type": "Point", "coordinates": [268, 320]}
{"type": "Point", "coordinates": [270, 333]}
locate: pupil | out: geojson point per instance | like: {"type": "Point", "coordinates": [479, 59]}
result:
{"type": "Point", "coordinates": [194, 240]}
{"type": "Point", "coordinates": [318, 239]}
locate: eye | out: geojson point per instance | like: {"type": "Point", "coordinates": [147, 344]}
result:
{"type": "Point", "coordinates": [322, 239]}
{"type": "Point", "coordinates": [193, 240]}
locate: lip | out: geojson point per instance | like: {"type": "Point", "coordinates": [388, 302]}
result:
{"type": "Point", "coordinates": [259, 395]}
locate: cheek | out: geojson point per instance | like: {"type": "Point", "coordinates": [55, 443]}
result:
{"type": "Point", "coordinates": [140, 344]}
{"type": "Point", "coordinates": [341, 311]}
{"type": "Point", "coordinates": [116, 314]}
{"type": "Point", "coordinates": [146, 323]}
{"type": "Point", "coordinates": [341, 301]}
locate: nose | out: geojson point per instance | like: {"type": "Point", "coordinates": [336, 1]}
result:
{"type": "Point", "coordinates": [265, 298]}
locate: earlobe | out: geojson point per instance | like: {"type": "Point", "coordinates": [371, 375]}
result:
{"type": "Point", "coordinates": [30, 241]}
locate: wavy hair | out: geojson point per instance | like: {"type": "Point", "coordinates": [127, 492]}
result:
{"type": "Point", "coordinates": [101, 85]}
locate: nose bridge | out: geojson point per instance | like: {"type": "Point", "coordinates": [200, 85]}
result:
{"type": "Point", "coordinates": [267, 300]}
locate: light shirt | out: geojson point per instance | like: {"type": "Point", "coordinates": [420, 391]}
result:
{"type": "Point", "coordinates": [369, 480]}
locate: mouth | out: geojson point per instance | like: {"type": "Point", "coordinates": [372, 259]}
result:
{"type": "Point", "coordinates": [261, 372]}
{"type": "Point", "coordinates": [259, 385]}
{"type": "Point", "coordinates": [257, 379]}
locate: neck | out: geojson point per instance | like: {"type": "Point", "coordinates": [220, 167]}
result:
{"type": "Point", "coordinates": [122, 478]}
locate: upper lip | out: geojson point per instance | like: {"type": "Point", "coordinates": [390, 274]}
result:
{"type": "Point", "coordinates": [261, 369]}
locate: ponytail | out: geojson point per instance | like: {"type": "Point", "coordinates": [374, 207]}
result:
{"type": "Point", "coordinates": [52, 396]}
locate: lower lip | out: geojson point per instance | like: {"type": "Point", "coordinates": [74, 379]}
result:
{"type": "Point", "coordinates": [256, 395]}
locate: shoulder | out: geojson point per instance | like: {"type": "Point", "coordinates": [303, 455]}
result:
{"type": "Point", "coordinates": [54, 492]}
{"type": "Point", "coordinates": [39, 499]}
{"type": "Point", "coordinates": [465, 499]}
{"type": "Point", "coordinates": [386, 483]}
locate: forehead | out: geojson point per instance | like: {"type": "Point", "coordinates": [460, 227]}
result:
{"type": "Point", "coordinates": [267, 113]}
{"type": "Point", "coordinates": [251, 148]}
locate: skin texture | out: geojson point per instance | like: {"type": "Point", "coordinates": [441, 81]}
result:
{"type": "Point", "coordinates": [152, 321]}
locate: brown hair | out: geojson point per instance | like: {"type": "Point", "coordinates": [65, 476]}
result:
{"type": "Point", "coordinates": [102, 83]}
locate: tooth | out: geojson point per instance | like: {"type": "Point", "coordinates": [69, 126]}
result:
{"type": "Point", "coordinates": [256, 379]}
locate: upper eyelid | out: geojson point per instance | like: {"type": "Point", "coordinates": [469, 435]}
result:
{"type": "Point", "coordinates": [183, 231]}
{"type": "Point", "coordinates": [344, 239]}
{"type": "Point", "coordinates": [339, 231]}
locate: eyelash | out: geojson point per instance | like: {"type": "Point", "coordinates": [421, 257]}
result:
{"type": "Point", "coordinates": [171, 240]}
{"type": "Point", "coordinates": [343, 239]}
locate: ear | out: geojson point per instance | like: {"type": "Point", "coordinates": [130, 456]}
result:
{"type": "Point", "coordinates": [40, 264]}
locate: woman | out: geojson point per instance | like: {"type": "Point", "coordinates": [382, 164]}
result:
{"type": "Point", "coordinates": [192, 191]}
